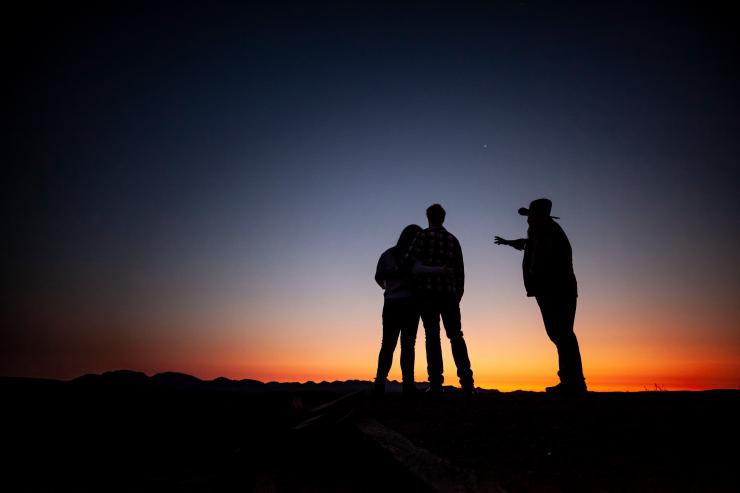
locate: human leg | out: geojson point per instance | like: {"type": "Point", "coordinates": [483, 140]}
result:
{"type": "Point", "coordinates": [453, 329]}
{"type": "Point", "coordinates": [559, 316]}
{"type": "Point", "coordinates": [435, 368]}
{"type": "Point", "coordinates": [391, 330]}
{"type": "Point", "coordinates": [571, 366]}
{"type": "Point", "coordinates": [409, 329]}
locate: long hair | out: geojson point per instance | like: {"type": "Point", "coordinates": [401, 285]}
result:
{"type": "Point", "coordinates": [404, 241]}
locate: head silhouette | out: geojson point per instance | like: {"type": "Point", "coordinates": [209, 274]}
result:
{"type": "Point", "coordinates": [538, 211]}
{"type": "Point", "coordinates": [407, 237]}
{"type": "Point", "coordinates": [435, 215]}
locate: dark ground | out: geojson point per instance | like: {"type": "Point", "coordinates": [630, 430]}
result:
{"type": "Point", "coordinates": [181, 435]}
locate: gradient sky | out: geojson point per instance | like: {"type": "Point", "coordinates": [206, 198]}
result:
{"type": "Point", "coordinates": [206, 187]}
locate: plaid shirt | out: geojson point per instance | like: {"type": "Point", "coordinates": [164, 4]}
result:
{"type": "Point", "coordinates": [438, 247]}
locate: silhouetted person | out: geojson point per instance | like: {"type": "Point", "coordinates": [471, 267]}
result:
{"type": "Point", "coordinates": [400, 312]}
{"type": "Point", "coordinates": [440, 294]}
{"type": "Point", "coordinates": [548, 276]}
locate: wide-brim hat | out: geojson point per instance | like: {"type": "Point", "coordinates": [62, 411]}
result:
{"type": "Point", "coordinates": [539, 207]}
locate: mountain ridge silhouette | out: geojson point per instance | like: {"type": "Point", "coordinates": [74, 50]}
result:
{"type": "Point", "coordinates": [183, 381]}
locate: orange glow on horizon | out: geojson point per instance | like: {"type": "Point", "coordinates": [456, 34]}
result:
{"type": "Point", "coordinates": [508, 352]}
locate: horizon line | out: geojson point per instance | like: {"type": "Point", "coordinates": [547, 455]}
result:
{"type": "Point", "coordinates": [653, 387]}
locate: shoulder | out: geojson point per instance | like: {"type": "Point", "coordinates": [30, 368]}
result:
{"type": "Point", "coordinates": [450, 237]}
{"type": "Point", "coordinates": [558, 230]}
{"type": "Point", "coordinates": [387, 255]}
{"type": "Point", "coordinates": [435, 232]}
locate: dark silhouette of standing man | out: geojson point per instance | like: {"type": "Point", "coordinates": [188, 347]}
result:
{"type": "Point", "coordinates": [548, 276]}
{"type": "Point", "coordinates": [440, 294]}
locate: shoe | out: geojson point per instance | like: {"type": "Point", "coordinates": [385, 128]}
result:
{"type": "Point", "coordinates": [555, 389]}
{"type": "Point", "coordinates": [567, 389]}
{"type": "Point", "coordinates": [469, 390]}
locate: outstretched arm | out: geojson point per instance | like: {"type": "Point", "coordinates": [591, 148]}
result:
{"type": "Point", "coordinates": [518, 244]}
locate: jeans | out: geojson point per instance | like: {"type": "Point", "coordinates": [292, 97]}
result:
{"type": "Point", "coordinates": [559, 314]}
{"type": "Point", "coordinates": [400, 316]}
{"type": "Point", "coordinates": [448, 308]}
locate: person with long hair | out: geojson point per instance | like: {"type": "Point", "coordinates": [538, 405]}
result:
{"type": "Point", "coordinates": [400, 311]}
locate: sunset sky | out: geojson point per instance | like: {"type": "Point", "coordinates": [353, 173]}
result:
{"type": "Point", "coordinates": [206, 187]}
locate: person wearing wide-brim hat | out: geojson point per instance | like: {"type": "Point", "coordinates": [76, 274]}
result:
{"type": "Point", "coordinates": [548, 276]}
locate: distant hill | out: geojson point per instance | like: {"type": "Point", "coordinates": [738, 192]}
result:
{"type": "Point", "coordinates": [175, 380]}
{"type": "Point", "coordinates": [183, 381]}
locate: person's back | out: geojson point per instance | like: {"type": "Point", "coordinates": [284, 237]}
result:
{"type": "Point", "coordinates": [435, 246]}
{"type": "Point", "coordinates": [395, 282]}
{"type": "Point", "coordinates": [440, 294]}
{"type": "Point", "coordinates": [548, 261]}
{"type": "Point", "coordinates": [400, 311]}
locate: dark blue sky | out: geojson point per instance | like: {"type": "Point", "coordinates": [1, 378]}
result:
{"type": "Point", "coordinates": [184, 157]}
